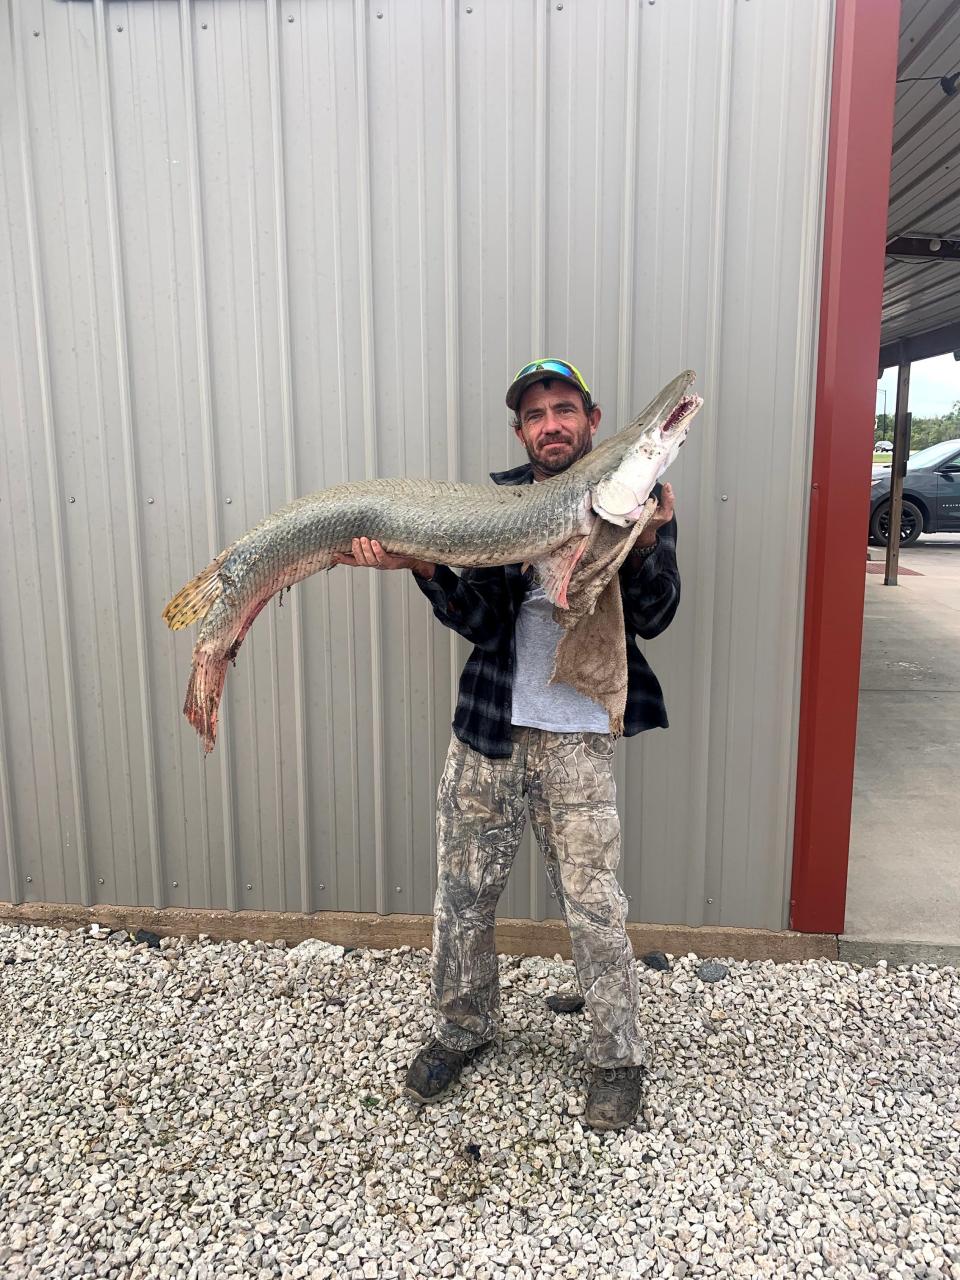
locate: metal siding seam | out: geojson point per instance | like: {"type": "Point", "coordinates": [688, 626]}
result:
{"type": "Point", "coordinates": [349, 584]}
{"type": "Point", "coordinates": [286, 413]}
{"type": "Point", "coordinates": [256, 328]}
{"type": "Point", "coordinates": [705, 587]}
{"type": "Point", "coordinates": [6, 803]}
{"type": "Point", "coordinates": [628, 213]}
{"type": "Point", "coordinates": [41, 643]}
{"type": "Point", "coordinates": [741, 532]}
{"type": "Point", "coordinates": [111, 558]}
{"type": "Point", "coordinates": [774, 819]}
{"type": "Point", "coordinates": [541, 137]}
{"type": "Point", "coordinates": [13, 871]}
{"type": "Point", "coordinates": [184, 467]}
{"type": "Point", "coordinates": [482, 187]}
{"type": "Point", "coordinates": [333, 875]}
{"type": "Point", "coordinates": [400, 365]}
{"type": "Point", "coordinates": [425, 383]}
{"type": "Point", "coordinates": [407, 586]}
{"type": "Point", "coordinates": [628, 219]}
{"type": "Point", "coordinates": [572, 236]}
{"type": "Point", "coordinates": [46, 414]}
{"type": "Point", "coordinates": [206, 414]}
{"type": "Point", "coordinates": [451, 266]}
{"type": "Point", "coordinates": [598, 105]}
{"type": "Point", "coordinates": [126, 427]}
{"type": "Point", "coordinates": [368, 384]}
{"type": "Point", "coordinates": [508, 238]}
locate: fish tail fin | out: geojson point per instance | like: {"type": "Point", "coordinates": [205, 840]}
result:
{"type": "Point", "coordinates": [195, 599]}
{"type": "Point", "coordinates": [204, 691]}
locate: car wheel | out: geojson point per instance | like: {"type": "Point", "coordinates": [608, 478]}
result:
{"type": "Point", "coordinates": [911, 523]}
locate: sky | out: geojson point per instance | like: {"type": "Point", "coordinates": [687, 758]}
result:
{"type": "Point", "coordinates": [934, 387]}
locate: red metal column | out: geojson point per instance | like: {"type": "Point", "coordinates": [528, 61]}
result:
{"type": "Point", "coordinates": [855, 226]}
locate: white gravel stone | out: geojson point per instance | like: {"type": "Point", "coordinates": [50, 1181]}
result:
{"type": "Point", "coordinates": [204, 1110]}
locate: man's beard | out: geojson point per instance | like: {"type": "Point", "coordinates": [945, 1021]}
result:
{"type": "Point", "coordinates": [555, 466]}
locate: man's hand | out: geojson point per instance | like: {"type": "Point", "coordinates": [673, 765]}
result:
{"type": "Point", "coordinates": [663, 515]}
{"type": "Point", "coordinates": [367, 553]}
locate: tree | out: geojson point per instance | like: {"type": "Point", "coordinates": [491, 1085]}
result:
{"type": "Point", "coordinates": [923, 431]}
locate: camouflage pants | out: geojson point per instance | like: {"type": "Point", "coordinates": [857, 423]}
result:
{"type": "Point", "coordinates": [567, 779]}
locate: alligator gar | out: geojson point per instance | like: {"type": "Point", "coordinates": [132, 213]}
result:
{"type": "Point", "coordinates": [444, 522]}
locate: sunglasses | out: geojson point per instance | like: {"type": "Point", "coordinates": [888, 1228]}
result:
{"type": "Point", "coordinates": [560, 367]}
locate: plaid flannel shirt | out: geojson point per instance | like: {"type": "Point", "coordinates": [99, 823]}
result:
{"type": "Point", "coordinates": [482, 606]}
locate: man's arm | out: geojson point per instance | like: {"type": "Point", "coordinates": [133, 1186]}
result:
{"type": "Point", "coordinates": [649, 577]}
{"type": "Point", "coordinates": [474, 603]}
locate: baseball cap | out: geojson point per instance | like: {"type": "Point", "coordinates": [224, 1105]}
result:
{"type": "Point", "coordinates": [537, 371]}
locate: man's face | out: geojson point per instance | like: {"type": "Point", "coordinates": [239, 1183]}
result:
{"type": "Point", "coordinates": [554, 427]}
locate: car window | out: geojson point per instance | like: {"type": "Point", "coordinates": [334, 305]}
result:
{"type": "Point", "coordinates": [934, 455]}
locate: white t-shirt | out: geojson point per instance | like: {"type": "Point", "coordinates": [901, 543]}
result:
{"type": "Point", "coordinates": [537, 704]}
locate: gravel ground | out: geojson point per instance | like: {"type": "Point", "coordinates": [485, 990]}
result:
{"type": "Point", "coordinates": [218, 1109]}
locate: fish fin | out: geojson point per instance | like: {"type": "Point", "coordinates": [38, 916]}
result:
{"type": "Point", "coordinates": [195, 599]}
{"type": "Point", "coordinates": [204, 690]}
{"type": "Point", "coordinates": [554, 570]}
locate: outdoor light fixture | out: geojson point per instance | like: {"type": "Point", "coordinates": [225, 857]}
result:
{"type": "Point", "coordinates": [949, 84]}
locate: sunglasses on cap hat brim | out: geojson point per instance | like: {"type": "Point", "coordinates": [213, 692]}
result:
{"type": "Point", "coordinates": [537, 371]}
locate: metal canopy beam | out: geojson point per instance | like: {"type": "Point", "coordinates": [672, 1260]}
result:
{"type": "Point", "coordinates": [920, 346]}
{"type": "Point", "coordinates": [923, 247]}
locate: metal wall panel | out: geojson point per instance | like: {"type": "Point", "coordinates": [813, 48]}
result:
{"type": "Point", "coordinates": [248, 250]}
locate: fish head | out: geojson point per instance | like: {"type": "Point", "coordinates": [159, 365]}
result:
{"type": "Point", "coordinates": [650, 445]}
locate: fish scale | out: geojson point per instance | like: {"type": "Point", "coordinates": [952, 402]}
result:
{"type": "Point", "coordinates": [440, 521]}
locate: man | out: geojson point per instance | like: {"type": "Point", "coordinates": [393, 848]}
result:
{"type": "Point", "coordinates": [517, 737]}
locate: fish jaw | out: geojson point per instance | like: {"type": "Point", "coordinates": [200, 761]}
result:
{"type": "Point", "coordinates": [620, 497]}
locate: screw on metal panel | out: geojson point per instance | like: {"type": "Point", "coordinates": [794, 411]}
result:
{"type": "Point", "coordinates": [203, 26]}
{"type": "Point", "coordinates": [290, 18]}
{"type": "Point", "coordinates": [379, 13]}
{"type": "Point", "coordinates": [151, 501]}
{"type": "Point", "coordinates": [723, 497]}
{"type": "Point", "coordinates": [249, 886]}
{"type": "Point", "coordinates": [120, 28]}
{"type": "Point", "coordinates": [228, 501]}
{"type": "Point", "coordinates": [559, 7]}
{"type": "Point", "coordinates": [710, 901]}
{"type": "Point", "coordinates": [71, 499]}
{"type": "Point", "coordinates": [99, 879]}
{"type": "Point", "coordinates": [36, 33]}
{"type": "Point", "coordinates": [176, 884]}
{"type": "Point", "coordinates": [29, 879]}
{"type": "Point", "coordinates": [323, 886]}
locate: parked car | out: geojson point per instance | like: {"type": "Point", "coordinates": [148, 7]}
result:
{"type": "Point", "coordinates": [883, 446]}
{"type": "Point", "coordinates": [931, 494]}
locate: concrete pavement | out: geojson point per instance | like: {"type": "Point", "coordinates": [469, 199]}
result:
{"type": "Point", "coordinates": [904, 874]}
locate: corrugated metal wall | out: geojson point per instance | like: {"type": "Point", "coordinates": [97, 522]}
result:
{"type": "Point", "coordinates": [248, 250]}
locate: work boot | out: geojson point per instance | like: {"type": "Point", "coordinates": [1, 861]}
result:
{"type": "Point", "coordinates": [613, 1100]}
{"type": "Point", "coordinates": [435, 1069]}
